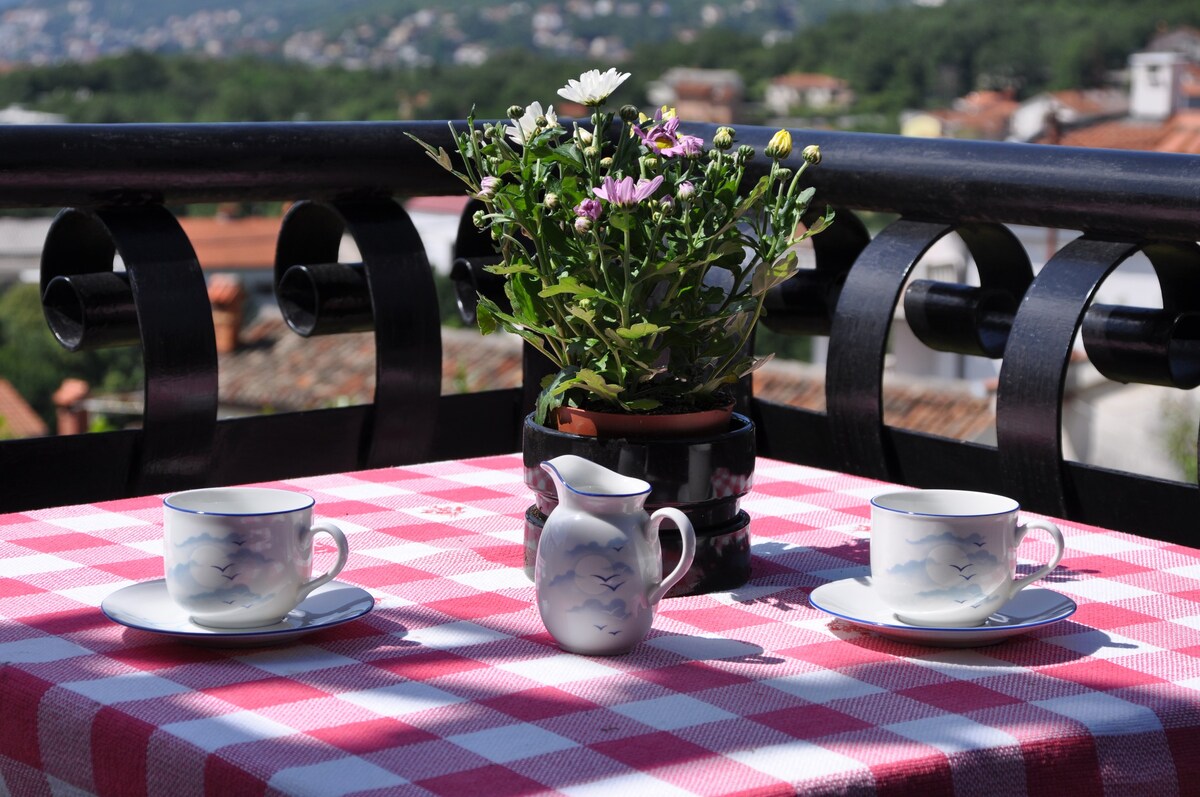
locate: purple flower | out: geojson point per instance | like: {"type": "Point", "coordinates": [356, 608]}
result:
{"type": "Point", "coordinates": [665, 139]}
{"type": "Point", "coordinates": [625, 193]}
{"type": "Point", "coordinates": [588, 209]}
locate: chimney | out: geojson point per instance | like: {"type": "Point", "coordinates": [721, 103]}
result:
{"type": "Point", "coordinates": [1154, 85]}
{"type": "Point", "coordinates": [228, 299]}
{"type": "Point", "coordinates": [71, 417]}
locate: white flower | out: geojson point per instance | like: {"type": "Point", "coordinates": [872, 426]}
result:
{"type": "Point", "coordinates": [527, 126]}
{"type": "Point", "coordinates": [593, 88]}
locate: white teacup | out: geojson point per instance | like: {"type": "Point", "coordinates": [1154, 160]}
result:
{"type": "Point", "coordinates": [948, 557]}
{"type": "Point", "coordinates": [241, 557]}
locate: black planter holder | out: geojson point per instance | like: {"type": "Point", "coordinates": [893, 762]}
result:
{"type": "Point", "coordinates": [704, 477]}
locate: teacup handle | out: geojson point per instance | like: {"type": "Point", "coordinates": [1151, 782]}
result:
{"type": "Point", "coordinates": [686, 554]}
{"type": "Point", "coordinates": [1056, 535]}
{"type": "Point", "coordinates": [343, 547]}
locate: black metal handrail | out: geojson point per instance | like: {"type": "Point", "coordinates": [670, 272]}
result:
{"type": "Point", "coordinates": [119, 180]}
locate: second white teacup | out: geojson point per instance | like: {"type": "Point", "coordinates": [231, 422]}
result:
{"type": "Point", "coordinates": [948, 557]}
{"type": "Point", "coordinates": [241, 557]}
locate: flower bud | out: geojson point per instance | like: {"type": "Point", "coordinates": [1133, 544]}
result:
{"type": "Point", "coordinates": [629, 113]}
{"type": "Point", "coordinates": [723, 138]}
{"type": "Point", "coordinates": [487, 188]}
{"type": "Point", "coordinates": [780, 145]}
{"type": "Point", "coordinates": [812, 154]}
{"type": "Point", "coordinates": [515, 112]}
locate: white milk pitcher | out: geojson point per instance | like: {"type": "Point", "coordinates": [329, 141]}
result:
{"type": "Point", "coordinates": [598, 572]}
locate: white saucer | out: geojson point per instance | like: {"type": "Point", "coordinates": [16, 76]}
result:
{"type": "Point", "coordinates": [852, 599]}
{"type": "Point", "coordinates": [147, 607]}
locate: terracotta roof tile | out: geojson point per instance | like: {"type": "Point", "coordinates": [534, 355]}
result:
{"type": "Point", "coordinates": [17, 418]}
{"type": "Point", "coordinates": [1180, 133]}
{"type": "Point", "coordinates": [281, 370]}
{"type": "Point", "coordinates": [1117, 134]}
{"type": "Point", "coordinates": [809, 80]}
{"type": "Point", "coordinates": [277, 368]}
{"type": "Point", "coordinates": [232, 243]}
{"type": "Point", "coordinates": [932, 409]}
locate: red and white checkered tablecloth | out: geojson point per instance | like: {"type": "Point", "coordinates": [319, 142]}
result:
{"type": "Point", "coordinates": [451, 686]}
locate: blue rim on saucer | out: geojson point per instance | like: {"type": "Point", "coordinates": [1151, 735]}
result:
{"type": "Point", "coordinates": [146, 606]}
{"type": "Point", "coordinates": [853, 600]}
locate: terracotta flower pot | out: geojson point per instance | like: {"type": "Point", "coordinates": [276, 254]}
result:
{"type": "Point", "coordinates": [704, 475]}
{"type": "Point", "coordinates": [623, 424]}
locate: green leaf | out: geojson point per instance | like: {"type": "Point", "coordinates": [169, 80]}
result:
{"type": "Point", "coordinates": [550, 398]}
{"type": "Point", "coordinates": [569, 285]}
{"type": "Point", "coordinates": [767, 276]}
{"type": "Point", "coordinates": [625, 222]}
{"type": "Point", "coordinates": [641, 330]}
{"type": "Point", "coordinates": [484, 317]}
{"type": "Point", "coordinates": [588, 315]}
{"type": "Point", "coordinates": [524, 306]}
{"type": "Point", "coordinates": [595, 383]}
{"type": "Point", "coordinates": [512, 268]}
{"type": "Point", "coordinates": [568, 155]}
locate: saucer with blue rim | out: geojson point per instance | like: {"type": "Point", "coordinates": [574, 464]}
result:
{"type": "Point", "coordinates": [853, 600]}
{"type": "Point", "coordinates": [146, 606]}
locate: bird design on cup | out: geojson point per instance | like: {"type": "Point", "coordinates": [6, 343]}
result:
{"type": "Point", "coordinates": [223, 569]}
{"type": "Point", "coordinates": [946, 565]}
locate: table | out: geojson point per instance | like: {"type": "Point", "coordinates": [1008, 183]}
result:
{"type": "Point", "coordinates": [451, 686]}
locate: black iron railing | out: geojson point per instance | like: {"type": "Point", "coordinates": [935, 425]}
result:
{"type": "Point", "coordinates": [116, 184]}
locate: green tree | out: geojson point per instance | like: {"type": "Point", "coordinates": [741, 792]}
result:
{"type": "Point", "coordinates": [33, 361]}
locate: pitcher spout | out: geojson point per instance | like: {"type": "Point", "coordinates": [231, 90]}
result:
{"type": "Point", "coordinates": [574, 475]}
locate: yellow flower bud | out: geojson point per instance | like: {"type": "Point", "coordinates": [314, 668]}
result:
{"type": "Point", "coordinates": [780, 145]}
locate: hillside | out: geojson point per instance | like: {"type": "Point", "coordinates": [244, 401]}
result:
{"type": "Point", "coordinates": [903, 57]}
{"type": "Point", "coordinates": [381, 33]}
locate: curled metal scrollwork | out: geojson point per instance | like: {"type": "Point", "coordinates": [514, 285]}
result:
{"type": "Point", "coordinates": [391, 291]}
{"type": "Point", "coordinates": [160, 302]}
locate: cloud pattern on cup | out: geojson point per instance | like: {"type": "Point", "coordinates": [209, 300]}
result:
{"type": "Point", "coordinates": [602, 587]}
{"type": "Point", "coordinates": [210, 572]}
{"type": "Point", "coordinates": [946, 566]}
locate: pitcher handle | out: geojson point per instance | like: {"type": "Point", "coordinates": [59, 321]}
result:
{"type": "Point", "coordinates": [686, 553]}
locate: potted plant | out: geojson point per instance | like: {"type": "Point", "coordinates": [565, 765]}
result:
{"type": "Point", "coordinates": [635, 261]}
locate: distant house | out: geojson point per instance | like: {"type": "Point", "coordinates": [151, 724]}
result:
{"type": "Point", "coordinates": [19, 115]}
{"type": "Point", "coordinates": [1163, 108]}
{"type": "Point", "coordinates": [700, 95]}
{"type": "Point", "coordinates": [1069, 108]}
{"type": "Point", "coordinates": [979, 115]}
{"type": "Point", "coordinates": [807, 90]}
